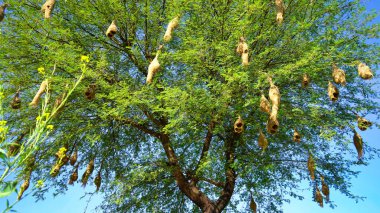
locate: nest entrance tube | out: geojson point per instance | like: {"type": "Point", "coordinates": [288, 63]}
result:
{"type": "Point", "coordinates": [239, 125]}
{"type": "Point", "coordinates": [40, 91]}
{"type": "Point", "coordinates": [274, 94]}
{"type": "Point", "coordinates": [112, 29]}
{"type": "Point", "coordinates": [364, 71]}
{"type": "Point", "coordinates": [169, 30]}
{"type": "Point", "coordinates": [2, 11]}
{"type": "Point", "coordinates": [339, 76]}
{"type": "Point", "coordinates": [333, 92]}
{"type": "Point", "coordinates": [47, 8]}
{"type": "Point", "coordinates": [242, 50]}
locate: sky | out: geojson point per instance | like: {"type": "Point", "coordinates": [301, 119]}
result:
{"type": "Point", "coordinates": [367, 184]}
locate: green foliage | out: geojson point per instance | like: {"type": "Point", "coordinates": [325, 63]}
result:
{"type": "Point", "coordinates": [163, 141]}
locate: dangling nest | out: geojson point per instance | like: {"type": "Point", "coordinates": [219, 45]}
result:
{"type": "Point", "coordinates": [2, 11]}
{"type": "Point", "coordinates": [305, 80]}
{"type": "Point", "coordinates": [98, 181]}
{"type": "Point", "coordinates": [364, 71]}
{"type": "Point", "coordinates": [112, 29]}
{"type": "Point", "coordinates": [311, 167]}
{"type": "Point", "coordinates": [90, 92]}
{"type": "Point", "coordinates": [23, 188]}
{"type": "Point", "coordinates": [87, 173]}
{"type": "Point", "coordinates": [264, 104]}
{"type": "Point", "coordinates": [74, 157]}
{"type": "Point", "coordinates": [239, 125]}
{"type": "Point", "coordinates": [318, 197]}
{"type": "Point", "coordinates": [272, 123]}
{"type": "Point", "coordinates": [169, 30]}
{"type": "Point", "coordinates": [14, 149]}
{"type": "Point", "coordinates": [358, 142]}
{"type": "Point", "coordinates": [253, 205]}
{"type": "Point", "coordinates": [280, 11]}
{"type": "Point", "coordinates": [40, 91]}
{"type": "Point", "coordinates": [262, 141]}
{"type": "Point", "coordinates": [154, 66]}
{"type": "Point", "coordinates": [16, 101]}
{"type": "Point", "coordinates": [296, 136]}
{"type": "Point", "coordinates": [325, 189]}
{"type": "Point", "coordinates": [74, 176]}
{"type": "Point", "coordinates": [333, 92]}
{"type": "Point", "coordinates": [339, 75]}
{"type": "Point", "coordinates": [242, 49]}
{"type": "Point", "coordinates": [274, 94]}
{"type": "Point", "coordinates": [363, 123]}
{"type": "Point", "coordinates": [48, 7]}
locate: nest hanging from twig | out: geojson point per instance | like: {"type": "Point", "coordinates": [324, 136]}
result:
{"type": "Point", "coordinates": [262, 141]}
{"type": "Point", "coordinates": [74, 176]}
{"type": "Point", "coordinates": [47, 8]}
{"type": "Point", "coordinates": [364, 71]}
{"type": "Point", "coordinates": [40, 91]}
{"type": "Point", "coordinates": [363, 123]}
{"type": "Point", "coordinates": [318, 197]}
{"type": "Point", "coordinates": [112, 29]}
{"type": "Point", "coordinates": [280, 8]}
{"type": "Point", "coordinates": [98, 181]}
{"type": "Point", "coordinates": [358, 142]}
{"type": "Point", "coordinates": [311, 167]}
{"type": "Point", "coordinates": [296, 136]}
{"type": "Point", "coordinates": [325, 189]}
{"type": "Point", "coordinates": [24, 186]}
{"type": "Point", "coordinates": [253, 205]}
{"type": "Point", "coordinates": [74, 157]}
{"type": "Point", "coordinates": [305, 80]}
{"type": "Point", "coordinates": [154, 67]}
{"type": "Point", "coordinates": [90, 92]}
{"type": "Point", "coordinates": [88, 172]}
{"type": "Point", "coordinates": [2, 11]}
{"type": "Point", "coordinates": [239, 125]}
{"type": "Point", "coordinates": [264, 104]}
{"type": "Point", "coordinates": [333, 92]}
{"type": "Point", "coordinates": [242, 50]}
{"type": "Point", "coordinates": [339, 76]}
{"type": "Point", "coordinates": [274, 94]}
{"type": "Point", "coordinates": [169, 30]}
{"type": "Point", "coordinates": [16, 101]}
{"type": "Point", "coordinates": [272, 123]}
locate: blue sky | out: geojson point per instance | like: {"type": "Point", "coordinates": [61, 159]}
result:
{"type": "Point", "coordinates": [367, 184]}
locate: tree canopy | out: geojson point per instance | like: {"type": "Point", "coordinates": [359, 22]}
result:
{"type": "Point", "coordinates": [192, 105]}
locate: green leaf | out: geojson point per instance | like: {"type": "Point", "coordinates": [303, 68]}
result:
{"type": "Point", "coordinates": [9, 188]}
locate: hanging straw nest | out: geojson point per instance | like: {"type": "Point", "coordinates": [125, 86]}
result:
{"type": "Point", "coordinates": [169, 30]}
{"type": "Point", "coordinates": [112, 29]}
{"type": "Point", "coordinates": [262, 141]}
{"type": "Point", "coordinates": [253, 205]}
{"type": "Point", "coordinates": [333, 92]}
{"type": "Point", "coordinates": [363, 123]}
{"type": "Point", "coordinates": [24, 186]}
{"type": "Point", "coordinates": [280, 8]}
{"type": "Point", "coordinates": [305, 80]}
{"type": "Point", "coordinates": [16, 101]}
{"type": "Point", "coordinates": [358, 142]}
{"type": "Point", "coordinates": [264, 104]}
{"type": "Point", "coordinates": [90, 92]}
{"type": "Point", "coordinates": [154, 66]}
{"type": "Point", "coordinates": [242, 49]}
{"type": "Point", "coordinates": [47, 8]}
{"type": "Point", "coordinates": [239, 125]}
{"type": "Point", "coordinates": [272, 123]}
{"type": "Point", "coordinates": [318, 197]}
{"type": "Point", "coordinates": [74, 157]}
{"type": "Point", "coordinates": [74, 176]}
{"type": "Point", "coordinates": [98, 181]}
{"type": "Point", "coordinates": [2, 11]}
{"type": "Point", "coordinates": [88, 172]}
{"type": "Point", "coordinates": [40, 91]}
{"type": "Point", "coordinates": [296, 136]}
{"type": "Point", "coordinates": [325, 189]}
{"type": "Point", "coordinates": [364, 71]}
{"type": "Point", "coordinates": [339, 75]}
{"type": "Point", "coordinates": [14, 147]}
{"type": "Point", "coordinates": [274, 94]}
{"type": "Point", "coordinates": [311, 167]}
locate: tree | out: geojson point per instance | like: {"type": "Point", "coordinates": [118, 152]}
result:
{"type": "Point", "coordinates": [171, 143]}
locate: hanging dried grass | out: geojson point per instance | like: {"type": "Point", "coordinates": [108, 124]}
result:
{"type": "Point", "coordinates": [318, 197]}
{"type": "Point", "coordinates": [264, 104]}
{"type": "Point", "coordinates": [154, 66]}
{"type": "Point", "coordinates": [16, 101]}
{"type": "Point", "coordinates": [253, 205]}
{"type": "Point", "coordinates": [305, 80]}
{"type": "Point", "coordinates": [333, 92]}
{"type": "Point", "coordinates": [358, 142]}
{"type": "Point", "coordinates": [48, 7]}
{"type": "Point", "coordinates": [74, 176]}
{"type": "Point", "coordinates": [87, 173]}
{"type": "Point", "coordinates": [24, 186]}
{"type": "Point", "coordinates": [262, 141]}
{"type": "Point", "coordinates": [40, 91]}
{"type": "Point", "coordinates": [239, 125]}
{"type": "Point", "coordinates": [274, 94]}
{"type": "Point", "coordinates": [296, 136]}
{"type": "Point", "coordinates": [280, 8]}
{"type": "Point", "coordinates": [98, 181]}
{"type": "Point", "coordinates": [242, 49]}
{"type": "Point", "coordinates": [363, 123]}
{"type": "Point", "coordinates": [325, 189]}
{"type": "Point", "coordinates": [272, 123]}
{"type": "Point", "coordinates": [311, 167]}
{"type": "Point", "coordinates": [90, 92]}
{"type": "Point", "coordinates": [364, 71]}
{"type": "Point", "coordinates": [339, 75]}
{"type": "Point", "coordinates": [169, 30]}
{"type": "Point", "coordinates": [112, 29]}
{"type": "Point", "coordinates": [2, 11]}
{"type": "Point", "coordinates": [74, 157]}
